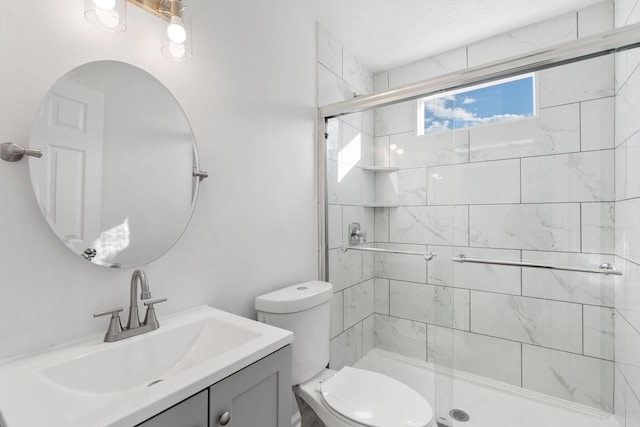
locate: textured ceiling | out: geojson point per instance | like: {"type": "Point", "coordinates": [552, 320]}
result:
{"type": "Point", "coordinates": [384, 34]}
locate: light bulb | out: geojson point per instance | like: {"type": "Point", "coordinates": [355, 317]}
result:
{"type": "Point", "coordinates": [109, 19]}
{"type": "Point", "coordinates": [105, 4]}
{"type": "Point", "coordinates": [176, 31]}
{"type": "Point", "coordinates": [177, 50]}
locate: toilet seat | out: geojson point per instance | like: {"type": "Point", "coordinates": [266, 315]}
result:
{"type": "Point", "coordinates": [374, 400]}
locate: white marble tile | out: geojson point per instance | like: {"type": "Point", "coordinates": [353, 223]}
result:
{"type": "Point", "coordinates": [333, 130]}
{"type": "Point", "coordinates": [529, 320]}
{"type": "Point", "coordinates": [381, 82]}
{"type": "Point", "coordinates": [368, 188]}
{"type": "Point", "coordinates": [440, 268]}
{"type": "Point", "coordinates": [626, 12]}
{"type": "Point", "coordinates": [354, 120]}
{"type": "Point", "coordinates": [599, 332]}
{"type": "Point", "coordinates": [381, 218]}
{"type": "Point", "coordinates": [368, 328]}
{"type": "Point", "coordinates": [627, 343]}
{"type": "Point", "coordinates": [337, 314]}
{"type": "Point", "coordinates": [486, 277]}
{"type": "Point", "coordinates": [461, 225]}
{"type": "Point", "coordinates": [334, 226]}
{"type": "Point", "coordinates": [358, 302]}
{"type": "Point", "coordinates": [356, 74]}
{"type": "Point", "coordinates": [562, 375]}
{"type": "Point", "coordinates": [434, 66]}
{"type": "Point", "coordinates": [329, 51]}
{"type": "Point", "coordinates": [554, 130]}
{"type": "Point", "coordinates": [331, 88]}
{"type": "Point", "coordinates": [399, 266]}
{"type": "Point", "coordinates": [396, 118]}
{"type": "Point", "coordinates": [628, 108]}
{"type": "Point", "coordinates": [627, 178]}
{"type": "Point", "coordinates": [423, 225]}
{"type": "Point", "coordinates": [346, 348]}
{"type": "Point", "coordinates": [474, 183]}
{"type": "Point", "coordinates": [597, 124]}
{"type": "Point", "coordinates": [345, 269]}
{"type": "Point", "coordinates": [356, 146]}
{"type": "Point", "coordinates": [368, 122]}
{"type": "Point", "coordinates": [477, 354]}
{"type": "Point", "coordinates": [580, 81]}
{"type": "Point", "coordinates": [628, 291]}
{"type": "Point", "coordinates": [578, 177]}
{"type": "Point", "coordinates": [405, 187]}
{"type": "Point", "coordinates": [381, 145]}
{"type": "Point", "coordinates": [543, 34]}
{"type": "Point", "coordinates": [554, 227]}
{"type": "Point", "coordinates": [409, 150]}
{"type": "Point", "coordinates": [632, 408]}
{"type": "Point", "coordinates": [626, 63]}
{"type": "Point", "coordinates": [438, 305]}
{"type": "Point", "coordinates": [598, 231]}
{"type": "Point", "coordinates": [628, 229]}
{"type": "Point", "coordinates": [570, 286]}
{"type": "Point", "coordinates": [401, 336]}
{"type": "Point", "coordinates": [595, 19]}
{"type": "Point", "coordinates": [344, 183]}
{"type": "Point", "coordinates": [620, 386]}
{"type": "Point", "coordinates": [381, 291]}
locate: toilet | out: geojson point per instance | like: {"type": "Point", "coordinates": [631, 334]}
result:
{"type": "Point", "coordinates": [345, 398]}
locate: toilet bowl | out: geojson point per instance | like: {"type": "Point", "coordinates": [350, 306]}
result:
{"type": "Point", "coordinates": [346, 398]}
{"type": "Point", "coordinates": [355, 397]}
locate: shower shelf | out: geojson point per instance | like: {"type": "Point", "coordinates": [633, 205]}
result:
{"type": "Point", "coordinates": [380, 168]}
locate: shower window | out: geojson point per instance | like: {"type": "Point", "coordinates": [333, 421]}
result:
{"type": "Point", "coordinates": [495, 102]}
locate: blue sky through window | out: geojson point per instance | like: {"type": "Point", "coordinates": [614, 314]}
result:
{"type": "Point", "coordinates": [486, 104]}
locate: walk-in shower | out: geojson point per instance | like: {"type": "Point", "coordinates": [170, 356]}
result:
{"type": "Point", "coordinates": [482, 238]}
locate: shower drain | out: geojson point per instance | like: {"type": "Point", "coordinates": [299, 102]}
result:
{"type": "Point", "coordinates": [459, 415]}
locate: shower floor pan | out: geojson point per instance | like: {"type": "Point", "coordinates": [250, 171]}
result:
{"type": "Point", "coordinates": [488, 403]}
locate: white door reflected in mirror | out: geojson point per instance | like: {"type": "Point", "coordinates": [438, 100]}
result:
{"type": "Point", "coordinates": [116, 182]}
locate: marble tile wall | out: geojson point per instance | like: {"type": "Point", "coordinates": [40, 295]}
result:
{"type": "Point", "coordinates": [540, 190]}
{"type": "Point", "coordinates": [350, 147]}
{"type": "Point", "coordinates": [627, 226]}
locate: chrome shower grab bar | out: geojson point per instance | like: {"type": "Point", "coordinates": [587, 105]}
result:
{"type": "Point", "coordinates": [428, 255]}
{"type": "Point", "coordinates": [605, 268]}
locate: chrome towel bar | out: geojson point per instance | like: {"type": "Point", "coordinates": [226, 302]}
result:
{"type": "Point", "coordinates": [606, 268]}
{"type": "Point", "coordinates": [428, 255]}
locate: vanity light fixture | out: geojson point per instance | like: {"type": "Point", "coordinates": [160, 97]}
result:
{"type": "Point", "coordinates": [110, 15]}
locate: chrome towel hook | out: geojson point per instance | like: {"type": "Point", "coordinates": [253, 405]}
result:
{"type": "Point", "coordinates": [13, 152]}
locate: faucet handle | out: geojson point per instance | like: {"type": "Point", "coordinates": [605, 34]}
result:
{"type": "Point", "coordinates": [150, 317]}
{"type": "Point", "coordinates": [115, 327]}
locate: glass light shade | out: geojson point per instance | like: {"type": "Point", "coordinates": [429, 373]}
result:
{"type": "Point", "coordinates": [108, 15]}
{"type": "Point", "coordinates": [176, 36]}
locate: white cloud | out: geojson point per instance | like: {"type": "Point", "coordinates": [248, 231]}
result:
{"type": "Point", "coordinates": [468, 101]}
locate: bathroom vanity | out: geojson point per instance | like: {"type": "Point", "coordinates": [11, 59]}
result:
{"type": "Point", "coordinates": [258, 395]}
{"type": "Point", "coordinates": [202, 367]}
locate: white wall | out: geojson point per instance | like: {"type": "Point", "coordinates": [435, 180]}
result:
{"type": "Point", "coordinates": [249, 94]}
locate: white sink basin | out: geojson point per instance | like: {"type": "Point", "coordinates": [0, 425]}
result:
{"type": "Point", "coordinates": [126, 382]}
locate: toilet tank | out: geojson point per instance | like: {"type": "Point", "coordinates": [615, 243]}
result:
{"type": "Point", "coordinates": [305, 310]}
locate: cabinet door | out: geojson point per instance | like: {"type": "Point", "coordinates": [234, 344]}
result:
{"type": "Point", "coordinates": [192, 412]}
{"type": "Point", "coordinates": [257, 396]}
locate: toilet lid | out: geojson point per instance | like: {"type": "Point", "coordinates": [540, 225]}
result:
{"type": "Point", "coordinates": [375, 400]}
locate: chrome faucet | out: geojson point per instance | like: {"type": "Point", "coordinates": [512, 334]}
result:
{"type": "Point", "coordinates": [116, 332]}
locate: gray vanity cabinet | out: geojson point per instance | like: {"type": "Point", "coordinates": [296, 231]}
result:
{"type": "Point", "coordinates": [188, 413]}
{"type": "Point", "coordinates": [257, 396]}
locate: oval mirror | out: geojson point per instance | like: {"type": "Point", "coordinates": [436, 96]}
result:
{"type": "Point", "coordinates": [118, 179]}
